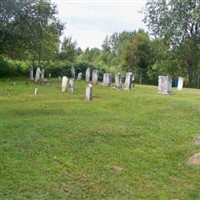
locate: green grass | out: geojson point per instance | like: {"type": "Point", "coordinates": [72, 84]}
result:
{"type": "Point", "coordinates": [121, 145]}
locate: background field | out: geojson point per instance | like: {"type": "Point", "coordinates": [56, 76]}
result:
{"type": "Point", "coordinates": [120, 145]}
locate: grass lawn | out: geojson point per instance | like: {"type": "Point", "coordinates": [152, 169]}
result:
{"type": "Point", "coordinates": [121, 145]}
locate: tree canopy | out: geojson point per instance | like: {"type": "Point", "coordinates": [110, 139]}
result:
{"type": "Point", "coordinates": [177, 23]}
{"type": "Point", "coordinates": [29, 29]}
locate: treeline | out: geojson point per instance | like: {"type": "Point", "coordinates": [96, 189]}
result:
{"type": "Point", "coordinates": [30, 32]}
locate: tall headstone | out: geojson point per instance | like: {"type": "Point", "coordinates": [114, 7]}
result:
{"type": "Point", "coordinates": [31, 73]}
{"type": "Point", "coordinates": [79, 76]}
{"type": "Point", "coordinates": [180, 83]}
{"type": "Point", "coordinates": [107, 79]}
{"type": "Point", "coordinates": [42, 74]}
{"type": "Point", "coordinates": [95, 77]}
{"type": "Point", "coordinates": [128, 80]}
{"type": "Point", "coordinates": [165, 84]}
{"type": "Point", "coordinates": [73, 74]}
{"type": "Point", "coordinates": [118, 81]}
{"type": "Point", "coordinates": [89, 92]}
{"type": "Point", "coordinates": [37, 75]}
{"type": "Point", "coordinates": [87, 75]}
{"type": "Point", "coordinates": [49, 75]}
{"type": "Point", "coordinates": [71, 85]}
{"type": "Point", "coordinates": [64, 83]}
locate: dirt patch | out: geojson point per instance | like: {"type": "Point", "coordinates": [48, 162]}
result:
{"type": "Point", "coordinates": [195, 159]}
{"type": "Point", "coordinates": [118, 169]}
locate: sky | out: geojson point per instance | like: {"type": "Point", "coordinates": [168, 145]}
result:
{"type": "Point", "coordinates": [88, 22]}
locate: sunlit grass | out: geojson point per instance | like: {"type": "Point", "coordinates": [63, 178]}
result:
{"type": "Point", "coordinates": [120, 145]}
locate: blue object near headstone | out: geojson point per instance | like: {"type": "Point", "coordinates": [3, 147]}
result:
{"type": "Point", "coordinates": [176, 82]}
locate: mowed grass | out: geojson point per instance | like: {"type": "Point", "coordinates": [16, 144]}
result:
{"type": "Point", "coordinates": [121, 145]}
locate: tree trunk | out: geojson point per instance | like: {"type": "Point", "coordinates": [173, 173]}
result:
{"type": "Point", "coordinates": [190, 72]}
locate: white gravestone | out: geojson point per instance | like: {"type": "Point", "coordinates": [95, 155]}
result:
{"type": "Point", "coordinates": [31, 73]}
{"type": "Point", "coordinates": [73, 72]}
{"type": "Point", "coordinates": [180, 83]}
{"type": "Point", "coordinates": [107, 79]}
{"type": "Point", "coordinates": [49, 75]}
{"type": "Point", "coordinates": [95, 77]}
{"type": "Point", "coordinates": [164, 84]}
{"type": "Point", "coordinates": [35, 91]}
{"type": "Point", "coordinates": [87, 75]}
{"type": "Point", "coordinates": [71, 85]}
{"type": "Point", "coordinates": [64, 83]}
{"type": "Point", "coordinates": [79, 76]}
{"type": "Point", "coordinates": [118, 81]}
{"type": "Point", "coordinates": [128, 80]}
{"type": "Point", "coordinates": [42, 74]}
{"type": "Point", "coordinates": [89, 92]}
{"type": "Point", "coordinates": [37, 75]}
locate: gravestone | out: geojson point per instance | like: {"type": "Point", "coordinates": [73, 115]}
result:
{"type": "Point", "coordinates": [35, 91]}
{"type": "Point", "coordinates": [165, 84]}
{"type": "Point", "coordinates": [73, 74]}
{"type": "Point", "coordinates": [71, 85]}
{"type": "Point", "coordinates": [118, 81]}
{"type": "Point", "coordinates": [31, 73]}
{"type": "Point", "coordinates": [87, 75]}
{"type": "Point", "coordinates": [180, 83]}
{"type": "Point", "coordinates": [37, 75]}
{"type": "Point", "coordinates": [95, 76]}
{"type": "Point", "coordinates": [59, 77]}
{"type": "Point", "coordinates": [79, 76]}
{"type": "Point", "coordinates": [89, 92]}
{"type": "Point", "coordinates": [64, 83]}
{"type": "Point", "coordinates": [128, 80]}
{"type": "Point", "coordinates": [49, 75]}
{"type": "Point", "coordinates": [107, 79]}
{"type": "Point", "coordinates": [42, 75]}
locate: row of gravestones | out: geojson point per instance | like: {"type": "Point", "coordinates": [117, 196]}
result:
{"type": "Point", "coordinates": [39, 75]}
{"type": "Point", "coordinates": [164, 82]}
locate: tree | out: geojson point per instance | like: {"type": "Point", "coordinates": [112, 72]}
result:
{"type": "Point", "coordinates": [68, 49]}
{"type": "Point", "coordinates": [29, 29]}
{"type": "Point", "coordinates": [177, 23]}
{"type": "Point", "coordinates": [138, 52]}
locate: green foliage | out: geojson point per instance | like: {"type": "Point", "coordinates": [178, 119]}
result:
{"type": "Point", "coordinates": [177, 24]}
{"type": "Point", "coordinates": [29, 29]}
{"type": "Point", "coordinates": [68, 50]}
{"type": "Point", "coordinates": [121, 145]}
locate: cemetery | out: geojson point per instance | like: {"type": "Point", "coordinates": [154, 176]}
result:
{"type": "Point", "coordinates": [76, 139]}
{"type": "Point", "coordinates": [99, 100]}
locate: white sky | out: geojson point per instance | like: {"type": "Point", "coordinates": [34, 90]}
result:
{"type": "Point", "coordinates": [89, 21]}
